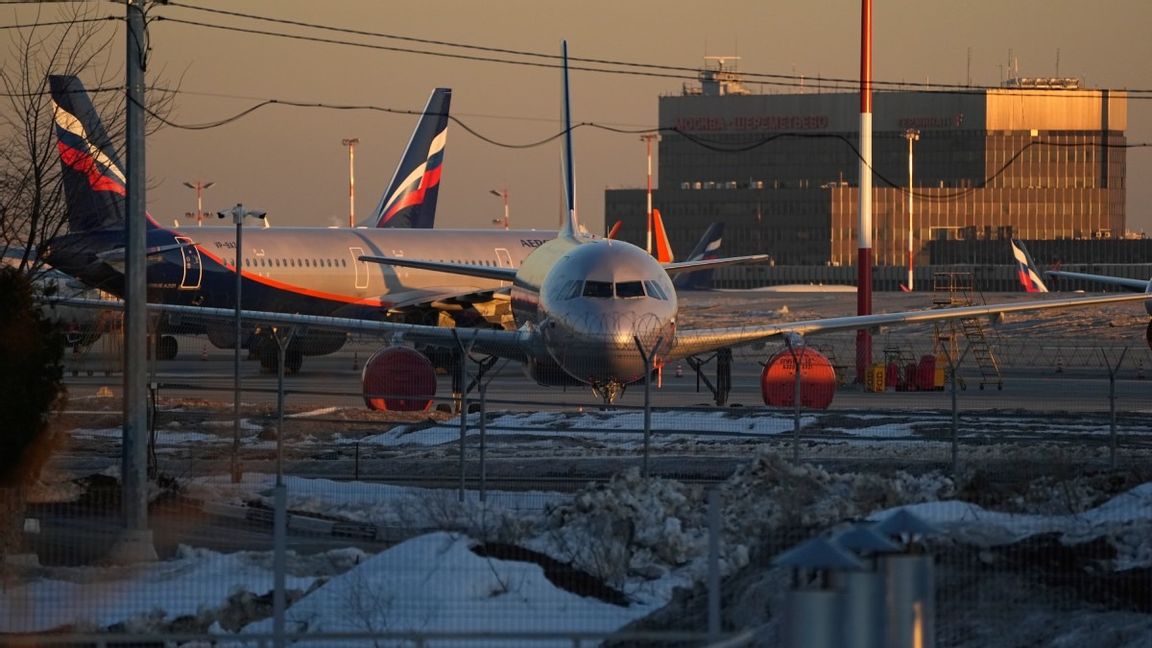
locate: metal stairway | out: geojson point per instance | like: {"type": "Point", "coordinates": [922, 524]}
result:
{"type": "Point", "coordinates": [955, 289]}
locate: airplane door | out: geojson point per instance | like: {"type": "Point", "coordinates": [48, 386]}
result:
{"type": "Point", "coordinates": [504, 260]}
{"type": "Point", "coordinates": [361, 267]}
{"type": "Point", "coordinates": [193, 270]}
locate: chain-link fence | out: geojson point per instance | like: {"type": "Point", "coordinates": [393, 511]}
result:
{"type": "Point", "coordinates": [548, 516]}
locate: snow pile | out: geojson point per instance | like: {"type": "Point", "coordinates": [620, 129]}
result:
{"type": "Point", "coordinates": [436, 583]}
{"type": "Point", "coordinates": [195, 590]}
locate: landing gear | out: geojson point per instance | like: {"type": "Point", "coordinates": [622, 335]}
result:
{"type": "Point", "coordinates": [609, 392]}
{"type": "Point", "coordinates": [268, 351]}
{"type": "Point", "coordinates": [166, 347]}
{"type": "Point", "coordinates": [723, 385]}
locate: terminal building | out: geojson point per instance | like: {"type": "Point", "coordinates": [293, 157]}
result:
{"type": "Point", "coordinates": [1035, 159]}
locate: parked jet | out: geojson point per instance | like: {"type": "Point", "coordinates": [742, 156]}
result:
{"type": "Point", "coordinates": [1018, 248]}
{"type": "Point", "coordinates": [289, 269]}
{"type": "Point", "coordinates": [1030, 275]}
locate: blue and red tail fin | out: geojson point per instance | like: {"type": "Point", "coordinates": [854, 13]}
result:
{"type": "Point", "coordinates": [1026, 269]}
{"type": "Point", "coordinates": [708, 247]}
{"type": "Point", "coordinates": [94, 181]}
{"type": "Point", "coordinates": [410, 200]}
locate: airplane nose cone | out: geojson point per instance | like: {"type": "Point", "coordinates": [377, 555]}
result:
{"type": "Point", "coordinates": [601, 346]}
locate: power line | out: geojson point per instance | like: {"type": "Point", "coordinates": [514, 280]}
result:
{"type": "Point", "coordinates": [553, 60]}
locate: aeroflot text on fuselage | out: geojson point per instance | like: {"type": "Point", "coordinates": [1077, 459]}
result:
{"type": "Point", "coordinates": [532, 243]}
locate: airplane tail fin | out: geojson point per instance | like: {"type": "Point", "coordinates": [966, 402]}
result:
{"type": "Point", "coordinates": [570, 226]}
{"type": "Point", "coordinates": [95, 186]}
{"type": "Point", "coordinates": [663, 246]}
{"type": "Point", "coordinates": [410, 200]}
{"type": "Point", "coordinates": [1026, 269]}
{"type": "Point", "coordinates": [707, 248]}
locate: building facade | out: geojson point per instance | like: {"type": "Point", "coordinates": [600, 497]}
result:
{"type": "Point", "coordinates": [1036, 159]}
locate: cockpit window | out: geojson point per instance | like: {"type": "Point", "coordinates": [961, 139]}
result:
{"type": "Point", "coordinates": [655, 291]}
{"type": "Point", "coordinates": [598, 289]}
{"type": "Point", "coordinates": [626, 289]}
{"type": "Point", "coordinates": [571, 290]}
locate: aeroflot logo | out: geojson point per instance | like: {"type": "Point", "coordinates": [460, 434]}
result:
{"type": "Point", "coordinates": [103, 174]}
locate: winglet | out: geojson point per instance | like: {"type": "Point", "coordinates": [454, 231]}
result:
{"type": "Point", "coordinates": [570, 227]}
{"type": "Point", "coordinates": [410, 200]}
{"type": "Point", "coordinates": [1026, 268]}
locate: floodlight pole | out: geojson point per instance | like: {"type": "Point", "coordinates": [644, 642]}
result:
{"type": "Point", "coordinates": [199, 187]}
{"type": "Point", "coordinates": [864, 227]}
{"type": "Point", "coordinates": [911, 135]}
{"type": "Point", "coordinates": [648, 138]}
{"type": "Point", "coordinates": [238, 213]}
{"type": "Point", "coordinates": [503, 193]}
{"type": "Point", "coordinates": [351, 144]}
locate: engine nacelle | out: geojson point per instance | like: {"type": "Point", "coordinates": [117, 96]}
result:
{"type": "Point", "coordinates": [398, 379]}
{"type": "Point", "coordinates": [817, 379]}
{"type": "Point", "coordinates": [320, 342]}
{"type": "Point", "coordinates": [548, 373]}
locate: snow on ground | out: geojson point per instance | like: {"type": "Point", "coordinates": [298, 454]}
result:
{"type": "Point", "coordinates": [639, 538]}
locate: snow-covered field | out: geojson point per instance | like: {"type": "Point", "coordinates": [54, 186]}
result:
{"type": "Point", "coordinates": [613, 555]}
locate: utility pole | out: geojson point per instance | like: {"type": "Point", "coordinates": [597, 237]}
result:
{"type": "Point", "coordinates": [351, 144]}
{"type": "Point", "coordinates": [135, 544]}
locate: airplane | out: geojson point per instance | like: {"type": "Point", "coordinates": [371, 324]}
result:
{"type": "Point", "coordinates": [1141, 285]}
{"type": "Point", "coordinates": [1029, 275]}
{"type": "Point", "coordinates": [593, 311]}
{"type": "Point", "coordinates": [291, 269]}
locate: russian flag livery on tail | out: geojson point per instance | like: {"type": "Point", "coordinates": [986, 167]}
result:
{"type": "Point", "coordinates": [1026, 269]}
{"type": "Point", "coordinates": [410, 200]}
{"type": "Point", "coordinates": [94, 181]}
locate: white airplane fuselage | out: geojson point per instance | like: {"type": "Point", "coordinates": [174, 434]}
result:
{"type": "Point", "coordinates": [591, 301]}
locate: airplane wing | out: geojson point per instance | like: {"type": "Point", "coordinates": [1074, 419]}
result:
{"type": "Point", "coordinates": [521, 344]}
{"type": "Point", "coordinates": [691, 342]}
{"type": "Point", "coordinates": [704, 264]}
{"type": "Point", "coordinates": [429, 296]}
{"type": "Point", "coordinates": [509, 274]}
{"type": "Point", "coordinates": [484, 272]}
{"type": "Point", "coordinates": [514, 345]}
{"type": "Point", "coordinates": [1140, 285]}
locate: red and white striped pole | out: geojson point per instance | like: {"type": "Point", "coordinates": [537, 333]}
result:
{"type": "Point", "coordinates": [864, 227]}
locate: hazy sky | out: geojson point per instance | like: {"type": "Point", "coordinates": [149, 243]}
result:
{"type": "Point", "coordinates": [291, 163]}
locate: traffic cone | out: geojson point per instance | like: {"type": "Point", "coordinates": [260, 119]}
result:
{"type": "Point", "coordinates": [1059, 363]}
{"type": "Point", "coordinates": [204, 352]}
{"type": "Point", "coordinates": [679, 371]}
{"type": "Point", "coordinates": [355, 360]}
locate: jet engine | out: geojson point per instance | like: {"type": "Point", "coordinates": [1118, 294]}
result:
{"type": "Point", "coordinates": [817, 379]}
{"type": "Point", "coordinates": [398, 379]}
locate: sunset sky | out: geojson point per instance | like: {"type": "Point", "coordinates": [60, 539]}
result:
{"type": "Point", "coordinates": [290, 161]}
